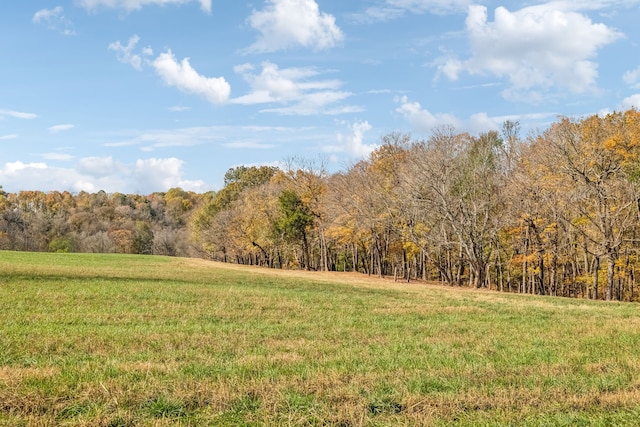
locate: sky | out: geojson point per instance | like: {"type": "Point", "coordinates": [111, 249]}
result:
{"type": "Point", "coordinates": [138, 96]}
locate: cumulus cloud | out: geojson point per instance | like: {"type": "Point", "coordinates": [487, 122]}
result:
{"type": "Point", "coordinates": [536, 48]}
{"type": "Point", "coordinates": [182, 75]}
{"type": "Point", "coordinates": [16, 176]}
{"type": "Point", "coordinates": [352, 143]}
{"type": "Point", "coordinates": [162, 174]}
{"type": "Point", "coordinates": [55, 20]}
{"type": "Point", "coordinates": [298, 89]}
{"type": "Point", "coordinates": [285, 24]}
{"type": "Point", "coordinates": [130, 5]}
{"type": "Point", "coordinates": [632, 101]}
{"type": "Point", "coordinates": [422, 119]}
{"type": "Point", "coordinates": [99, 173]}
{"type": "Point", "coordinates": [99, 167]}
{"type": "Point", "coordinates": [17, 114]}
{"type": "Point", "coordinates": [273, 84]}
{"type": "Point", "coordinates": [179, 74]}
{"type": "Point", "coordinates": [14, 167]}
{"type": "Point", "coordinates": [27, 176]}
{"type": "Point", "coordinates": [60, 128]}
{"type": "Point", "coordinates": [392, 9]}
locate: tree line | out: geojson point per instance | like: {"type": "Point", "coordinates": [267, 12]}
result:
{"type": "Point", "coordinates": [97, 222]}
{"type": "Point", "coordinates": [555, 213]}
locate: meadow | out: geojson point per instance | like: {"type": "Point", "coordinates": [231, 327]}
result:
{"type": "Point", "coordinates": [122, 340]}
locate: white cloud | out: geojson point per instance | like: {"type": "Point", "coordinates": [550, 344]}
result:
{"type": "Point", "coordinates": [632, 78]}
{"type": "Point", "coordinates": [451, 68]}
{"type": "Point", "coordinates": [178, 74]}
{"type": "Point", "coordinates": [60, 128]}
{"type": "Point", "coordinates": [179, 108]}
{"type": "Point", "coordinates": [482, 122]}
{"type": "Point", "coordinates": [352, 143]}
{"type": "Point", "coordinates": [129, 5]}
{"type": "Point", "coordinates": [13, 167]}
{"type": "Point", "coordinates": [197, 186]}
{"type": "Point", "coordinates": [99, 167]}
{"type": "Point", "coordinates": [423, 121]}
{"type": "Point", "coordinates": [280, 85]}
{"type": "Point", "coordinates": [162, 174]}
{"type": "Point", "coordinates": [536, 48]}
{"type": "Point", "coordinates": [57, 156]}
{"type": "Point", "coordinates": [185, 137]}
{"type": "Point", "coordinates": [17, 114]}
{"type": "Point", "coordinates": [248, 144]}
{"type": "Point", "coordinates": [296, 88]}
{"type": "Point", "coordinates": [181, 75]}
{"type": "Point", "coordinates": [44, 15]}
{"type": "Point", "coordinates": [55, 20]}
{"type": "Point", "coordinates": [589, 5]}
{"type": "Point", "coordinates": [126, 55]}
{"type": "Point", "coordinates": [99, 173]}
{"type": "Point", "coordinates": [286, 24]}
{"type": "Point", "coordinates": [6, 137]}
{"type": "Point", "coordinates": [18, 176]}
{"type": "Point", "coordinates": [632, 101]}
{"type": "Point", "coordinates": [214, 135]}
{"type": "Point", "coordinates": [316, 103]}
{"type": "Point", "coordinates": [392, 9]}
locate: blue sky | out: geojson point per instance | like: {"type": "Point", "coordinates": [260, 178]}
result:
{"type": "Point", "coordinates": [139, 96]}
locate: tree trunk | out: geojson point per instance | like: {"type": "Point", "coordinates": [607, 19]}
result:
{"type": "Point", "coordinates": [596, 271]}
{"type": "Point", "coordinates": [611, 261]}
{"type": "Point", "coordinates": [306, 256]}
{"type": "Point", "coordinates": [541, 287]}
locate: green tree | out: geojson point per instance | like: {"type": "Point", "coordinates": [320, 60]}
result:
{"type": "Point", "coordinates": [142, 239]}
{"type": "Point", "coordinates": [293, 222]}
{"type": "Point", "coordinates": [61, 245]}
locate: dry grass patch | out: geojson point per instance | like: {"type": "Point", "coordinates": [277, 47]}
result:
{"type": "Point", "coordinates": [10, 375]}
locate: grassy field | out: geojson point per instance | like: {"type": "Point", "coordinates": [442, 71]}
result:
{"type": "Point", "coordinates": [113, 340]}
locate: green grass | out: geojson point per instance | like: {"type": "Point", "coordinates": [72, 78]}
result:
{"type": "Point", "coordinates": [115, 340]}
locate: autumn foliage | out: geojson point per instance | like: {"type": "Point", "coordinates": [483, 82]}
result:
{"type": "Point", "coordinates": [556, 213]}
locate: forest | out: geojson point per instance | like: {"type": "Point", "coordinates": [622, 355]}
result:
{"type": "Point", "coordinates": [553, 213]}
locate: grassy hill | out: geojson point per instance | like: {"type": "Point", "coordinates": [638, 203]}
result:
{"type": "Point", "coordinates": [115, 340]}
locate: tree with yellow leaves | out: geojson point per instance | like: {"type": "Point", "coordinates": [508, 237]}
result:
{"type": "Point", "coordinates": [596, 159]}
